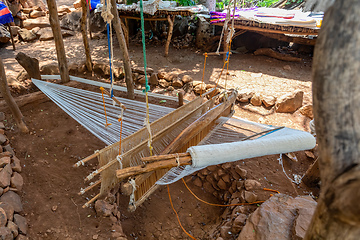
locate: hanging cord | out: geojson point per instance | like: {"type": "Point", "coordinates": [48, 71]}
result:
{"type": "Point", "coordinates": [147, 87]}
{"type": "Point", "coordinates": [211, 204]}
{"type": "Point", "coordinates": [108, 17]}
{"type": "Point", "coordinates": [202, 81]}
{"type": "Point", "coordinates": [119, 158]}
{"type": "Point", "coordinates": [297, 178]}
{"type": "Point", "coordinates": [177, 216]}
{"type": "Point", "coordinates": [103, 98]}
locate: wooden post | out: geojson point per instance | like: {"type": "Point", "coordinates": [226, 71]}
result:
{"type": "Point", "coordinates": [11, 36]}
{"type": "Point", "coordinates": [181, 98]}
{"type": "Point", "coordinates": [31, 65]}
{"type": "Point", "coordinates": [59, 43]}
{"type": "Point", "coordinates": [170, 32]}
{"type": "Point", "coordinates": [336, 88]}
{"type": "Point", "coordinates": [84, 35]}
{"type": "Point", "coordinates": [124, 50]}
{"type": "Point", "coordinates": [4, 89]}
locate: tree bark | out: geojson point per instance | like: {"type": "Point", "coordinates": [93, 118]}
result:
{"type": "Point", "coordinates": [336, 97]}
{"type": "Point", "coordinates": [4, 89]}
{"type": "Point", "coordinates": [170, 33]}
{"type": "Point", "coordinates": [59, 43]}
{"type": "Point", "coordinates": [31, 65]}
{"type": "Point", "coordinates": [84, 35]}
{"type": "Point", "coordinates": [122, 43]}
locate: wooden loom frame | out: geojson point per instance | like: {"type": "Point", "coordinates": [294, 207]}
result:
{"type": "Point", "coordinates": [135, 146]}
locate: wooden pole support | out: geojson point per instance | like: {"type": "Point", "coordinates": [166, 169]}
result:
{"type": "Point", "coordinates": [59, 43]}
{"type": "Point", "coordinates": [170, 32]}
{"type": "Point", "coordinates": [84, 35]}
{"type": "Point", "coordinates": [181, 98]}
{"type": "Point", "coordinates": [89, 187]}
{"type": "Point", "coordinates": [4, 89]}
{"type": "Point", "coordinates": [30, 64]}
{"type": "Point", "coordinates": [11, 36]}
{"type": "Point", "coordinates": [91, 201]}
{"type": "Point", "coordinates": [164, 157]}
{"type": "Point", "coordinates": [81, 162]}
{"type": "Point", "coordinates": [216, 54]}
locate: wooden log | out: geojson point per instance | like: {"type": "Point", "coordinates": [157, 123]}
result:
{"type": "Point", "coordinates": [31, 65]}
{"type": "Point", "coordinates": [83, 26]}
{"type": "Point", "coordinates": [126, 33]}
{"type": "Point", "coordinates": [336, 67]}
{"type": "Point", "coordinates": [285, 38]}
{"type": "Point", "coordinates": [88, 158]}
{"type": "Point", "coordinates": [216, 54]}
{"type": "Point", "coordinates": [4, 89]}
{"type": "Point", "coordinates": [140, 169]}
{"type": "Point", "coordinates": [164, 157]}
{"type": "Point", "coordinates": [170, 32]}
{"type": "Point", "coordinates": [124, 50]}
{"type": "Point", "coordinates": [181, 98]}
{"type": "Point", "coordinates": [271, 53]}
{"type": "Point", "coordinates": [59, 43]}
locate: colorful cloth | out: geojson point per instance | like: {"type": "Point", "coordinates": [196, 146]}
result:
{"type": "Point", "coordinates": [93, 4]}
{"type": "Point", "coordinates": [5, 14]}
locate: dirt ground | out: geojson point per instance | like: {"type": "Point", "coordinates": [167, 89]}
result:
{"type": "Point", "coordinates": [51, 203]}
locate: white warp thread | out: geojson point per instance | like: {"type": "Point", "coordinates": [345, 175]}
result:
{"type": "Point", "coordinates": [132, 196]}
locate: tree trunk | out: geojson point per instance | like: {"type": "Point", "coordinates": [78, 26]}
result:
{"type": "Point", "coordinates": [122, 43]}
{"type": "Point", "coordinates": [4, 89]}
{"type": "Point", "coordinates": [84, 35]}
{"type": "Point", "coordinates": [59, 43]}
{"type": "Point", "coordinates": [31, 65]}
{"type": "Point", "coordinates": [336, 96]}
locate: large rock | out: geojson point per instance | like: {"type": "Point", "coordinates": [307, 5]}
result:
{"type": "Point", "coordinates": [13, 228]}
{"type": "Point", "coordinates": [64, 9]}
{"type": "Point", "coordinates": [3, 218]}
{"type": "Point", "coordinates": [12, 199]}
{"type": "Point", "coordinates": [153, 80]}
{"type": "Point", "coordinates": [71, 21]}
{"type": "Point", "coordinates": [15, 164]}
{"type": "Point", "coordinates": [307, 111]}
{"type": "Point", "coordinates": [6, 234]}
{"type": "Point", "coordinates": [36, 14]}
{"type": "Point", "coordinates": [268, 100]}
{"type": "Point", "coordinates": [102, 69]}
{"type": "Point", "coordinates": [36, 22]}
{"type": "Point", "coordinates": [26, 35]}
{"type": "Point", "coordinates": [50, 69]}
{"type": "Point", "coordinates": [239, 223]}
{"type": "Point", "coordinates": [17, 181]}
{"type": "Point", "coordinates": [5, 176]}
{"type": "Point", "coordinates": [141, 70]}
{"type": "Point", "coordinates": [4, 161]}
{"type": "Point", "coordinates": [289, 103]}
{"type": "Point", "coordinates": [256, 99]}
{"type": "Point", "coordinates": [163, 83]}
{"type": "Point", "coordinates": [103, 208]}
{"type": "Point", "coordinates": [9, 210]}
{"type": "Point", "coordinates": [177, 83]}
{"type": "Point", "coordinates": [204, 33]}
{"type": "Point", "coordinates": [97, 23]}
{"type": "Point", "coordinates": [276, 218]}
{"type": "Point", "coordinates": [200, 88]}
{"type": "Point", "coordinates": [4, 34]}
{"type": "Point", "coordinates": [186, 79]}
{"type": "Point", "coordinates": [21, 222]}
{"type": "Point", "coordinates": [244, 95]}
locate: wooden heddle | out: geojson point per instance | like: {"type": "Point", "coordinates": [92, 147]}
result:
{"type": "Point", "coordinates": [173, 133]}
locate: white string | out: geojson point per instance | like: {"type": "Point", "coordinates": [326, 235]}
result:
{"type": "Point", "coordinates": [119, 158]}
{"type": "Point", "coordinates": [147, 125]}
{"type": "Point", "coordinates": [86, 107]}
{"type": "Point", "coordinates": [297, 178]}
{"type": "Point", "coordinates": [132, 196]}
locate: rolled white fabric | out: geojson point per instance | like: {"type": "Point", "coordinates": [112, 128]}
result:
{"type": "Point", "coordinates": [282, 141]}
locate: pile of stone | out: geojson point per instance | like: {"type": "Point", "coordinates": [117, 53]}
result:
{"type": "Point", "coordinates": [287, 103]}
{"type": "Point", "coordinates": [230, 184]}
{"type": "Point", "coordinates": [32, 23]}
{"type": "Point", "coordinates": [12, 224]}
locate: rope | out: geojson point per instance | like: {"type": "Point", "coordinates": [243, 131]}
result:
{"type": "Point", "coordinates": [202, 81]}
{"type": "Point", "coordinates": [102, 93]}
{"type": "Point", "coordinates": [177, 216]}
{"type": "Point", "coordinates": [147, 87]}
{"type": "Point", "coordinates": [132, 196]}
{"type": "Point", "coordinates": [297, 178]}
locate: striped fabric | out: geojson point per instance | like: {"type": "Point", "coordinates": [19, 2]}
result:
{"type": "Point", "coordinates": [5, 14]}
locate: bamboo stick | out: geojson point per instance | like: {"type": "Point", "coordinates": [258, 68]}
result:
{"type": "Point", "coordinates": [170, 32]}
{"type": "Point", "coordinates": [173, 162]}
{"type": "Point", "coordinates": [91, 201]}
{"type": "Point", "coordinates": [216, 54]}
{"type": "Point", "coordinates": [88, 158]}
{"type": "Point", "coordinates": [89, 187]}
{"type": "Point", "coordinates": [114, 98]}
{"type": "Point", "coordinates": [164, 157]}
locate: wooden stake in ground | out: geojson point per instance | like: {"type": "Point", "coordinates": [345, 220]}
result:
{"type": "Point", "coordinates": [122, 43]}
{"type": "Point", "coordinates": [31, 65]}
{"type": "Point", "coordinates": [84, 35]}
{"type": "Point", "coordinates": [336, 90]}
{"type": "Point", "coordinates": [59, 43]}
{"type": "Point", "coordinates": [170, 32]}
{"type": "Point", "coordinates": [4, 89]}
